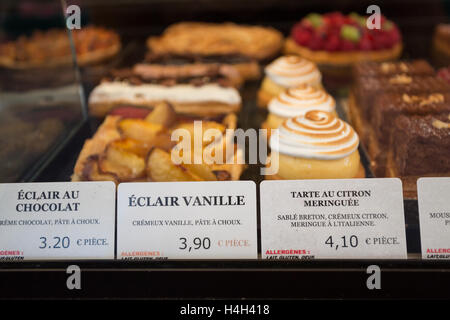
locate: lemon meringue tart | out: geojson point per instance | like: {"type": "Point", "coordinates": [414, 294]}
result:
{"type": "Point", "coordinates": [317, 145]}
{"type": "Point", "coordinates": [296, 102]}
{"type": "Point", "coordinates": [287, 72]}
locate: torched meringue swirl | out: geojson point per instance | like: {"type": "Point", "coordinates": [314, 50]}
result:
{"type": "Point", "coordinates": [292, 71]}
{"type": "Point", "coordinates": [297, 101]}
{"type": "Point", "coordinates": [316, 135]}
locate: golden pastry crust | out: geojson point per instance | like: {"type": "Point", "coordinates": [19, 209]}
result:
{"type": "Point", "coordinates": [203, 109]}
{"type": "Point", "coordinates": [291, 167]}
{"type": "Point", "coordinates": [341, 58]}
{"type": "Point", "coordinates": [263, 98]}
{"type": "Point", "coordinates": [218, 39]}
{"type": "Point", "coordinates": [106, 133]}
{"type": "Point", "coordinates": [441, 46]}
{"type": "Point", "coordinates": [441, 43]}
{"type": "Point", "coordinates": [361, 174]}
{"type": "Point", "coordinates": [378, 157]}
{"type": "Point", "coordinates": [248, 70]}
{"type": "Point", "coordinates": [52, 48]}
{"type": "Point", "coordinates": [111, 134]}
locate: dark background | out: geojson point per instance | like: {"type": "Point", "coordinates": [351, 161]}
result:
{"type": "Point", "coordinates": [136, 19]}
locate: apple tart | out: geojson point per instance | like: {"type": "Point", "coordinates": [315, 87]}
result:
{"type": "Point", "coordinates": [135, 144]}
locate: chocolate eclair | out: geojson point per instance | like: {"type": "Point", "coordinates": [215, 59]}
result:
{"type": "Point", "coordinates": [196, 89]}
{"type": "Point", "coordinates": [240, 46]}
{"type": "Point", "coordinates": [247, 68]}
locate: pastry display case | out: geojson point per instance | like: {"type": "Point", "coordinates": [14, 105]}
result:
{"type": "Point", "coordinates": [94, 91]}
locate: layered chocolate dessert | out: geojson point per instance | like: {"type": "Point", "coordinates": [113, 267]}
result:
{"type": "Point", "coordinates": [387, 69]}
{"type": "Point", "coordinates": [169, 75]}
{"type": "Point", "coordinates": [367, 89]}
{"type": "Point", "coordinates": [399, 111]}
{"type": "Point", "coordinates": [388, 106]}
{"type": "Point", "coordinates": [420, 145]}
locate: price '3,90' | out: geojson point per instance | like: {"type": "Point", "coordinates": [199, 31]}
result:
{"type": "Point", "coordinates": [196, 243]}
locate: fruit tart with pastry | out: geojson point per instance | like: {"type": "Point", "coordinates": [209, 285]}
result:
{"type": "Point", "coordinates": [316, 145]}
{"type": "Point", "coordinates": [135, 144]}
{"type": "Point", "coordinates": [336, 41]}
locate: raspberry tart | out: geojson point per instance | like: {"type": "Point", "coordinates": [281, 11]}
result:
{"type": "Point", "coordinates": [338, 41]}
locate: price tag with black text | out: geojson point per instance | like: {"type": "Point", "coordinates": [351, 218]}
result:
{"type": "Point", "coordinates": [186, 220]}
{"type": "Point", "coordinates": [434, 214]}
{"type": "Point", "coordinates": [61, 220]}
{"type": "Point", "coordinates": [332, 219]}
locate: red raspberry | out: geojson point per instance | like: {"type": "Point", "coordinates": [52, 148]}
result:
{"type": "Point", "coordinates": [365, 43]}
{"type": "Point", "coordinates": [380, 41]}
{"type": "Point", "coordinates": [347, 45]}
{"type": "Point", "coordinates": [301, 36]}
{"type": "Point", "coordinates": [315, 43]}
{"type": "Point", "coordinates": [394, 36]}
{"type": "Point", "coordinates": [336, 18]}
{"type": "Point", "coordinates": [332, 43]}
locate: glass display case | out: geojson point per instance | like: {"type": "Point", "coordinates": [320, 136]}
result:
{"type": "Point", "coordinates": [337, 90]}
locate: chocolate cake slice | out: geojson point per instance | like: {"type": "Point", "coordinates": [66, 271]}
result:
{"type": "Point", "coordinates": [421, 145]}
{"type": "Point", "coordinates": [367, 89]}
{"type": "Point", "coordinates": [387, 69]}
{"type": "Point", "coordinates": [390, 105]}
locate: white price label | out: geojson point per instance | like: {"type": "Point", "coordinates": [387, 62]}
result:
{"type": "Point", "coordinates": [187, 220]}
{"type": "Point", "coordinates": [330, 219]}
{"type": "Point", "coordinates": [434, 216]}
{"type": "Point", "coordinates": [61, 220]}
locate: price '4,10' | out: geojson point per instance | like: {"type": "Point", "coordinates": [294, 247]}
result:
{"type": "Point", "coordinates": [346, 242]}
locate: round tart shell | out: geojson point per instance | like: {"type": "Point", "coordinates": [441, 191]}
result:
{"type": "Point", "coordinates": [346, 58]}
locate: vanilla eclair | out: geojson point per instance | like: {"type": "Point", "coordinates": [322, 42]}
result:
{"type": "Point", "coordinates": [316, 145]}
{"type": "Point", "coordinates": [296, 102]}
{"type": "Point", "coordinates": [287, 72]}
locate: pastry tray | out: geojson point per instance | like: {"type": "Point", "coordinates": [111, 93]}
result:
{"type": "Point", "coordinates": [224, 279]}
{"type": "Point", "coordinates": [251, 116]}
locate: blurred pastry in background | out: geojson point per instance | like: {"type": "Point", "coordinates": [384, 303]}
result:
{"type": "Point", "coordinates": [317, 145]}
{"type": "Point", "coordinates": [241, 46]}
{"type": "Point", "coordinates": [287, 72]}
{"type": "Point", "coordinates": [441, 45]}
{"type": "Point", "coordinates": [444, 73]}
{"type": "Point", "coordinates": [52, 48]}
